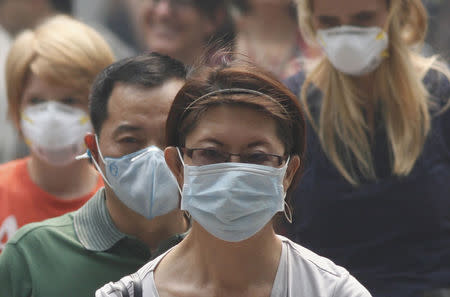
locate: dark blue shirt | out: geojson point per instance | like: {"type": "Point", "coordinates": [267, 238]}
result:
{"type": "Point", "coordinates": [393, 235]}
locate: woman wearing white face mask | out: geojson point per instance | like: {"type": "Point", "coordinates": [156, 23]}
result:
{"type": "Point", "coordinates": [237, 144]}
{"type": "Point", "coordinates": [49, 72]}
{"type": "Point", "coordinates": [374, 197]}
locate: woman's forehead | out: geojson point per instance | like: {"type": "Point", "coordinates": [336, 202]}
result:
{"type": "Point", "coordinates": [230, 124]}
{"type": "Point", "coordinates": [333, 7]}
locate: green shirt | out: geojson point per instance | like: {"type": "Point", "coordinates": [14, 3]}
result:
{"type": "Point", "coordinates": [71, 255]}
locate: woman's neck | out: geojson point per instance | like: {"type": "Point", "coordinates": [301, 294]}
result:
{"type": "Point", "coordinates": [67, 182]}
{"type": "Point", "coordinates": [230, 265]}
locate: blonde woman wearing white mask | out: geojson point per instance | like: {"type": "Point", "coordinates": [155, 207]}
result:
{"type": "Point", "coordinates": [374, 197]}
{"type": "Point", "coordinates": [49, 71]}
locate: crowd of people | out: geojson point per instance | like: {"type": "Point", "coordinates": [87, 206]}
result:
{"type": "Point", "coordinates": [237, 148]}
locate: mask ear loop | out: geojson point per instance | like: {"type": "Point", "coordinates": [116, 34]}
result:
{"type": "Point", "coordinates": [287, 212]}
{"type": "Point", "coordinates": [182, 162]}
{"type": "Point", "coordinates": [96, 164]}
{"type": "Point", "coordinates": [186, 213]}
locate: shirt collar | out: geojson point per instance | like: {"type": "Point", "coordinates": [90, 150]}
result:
{"type": "Point", "coordinates": [94, 226]}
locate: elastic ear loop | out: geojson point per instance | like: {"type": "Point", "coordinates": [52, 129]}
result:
{"type": "Point", "coordinates": [288, 213]}
{"type": "Point", "coordinates": [186, 213]}
{"type": "Point", "coordinates": [103, 160]}
{"type": "Point", "coordinates": [182, 162]}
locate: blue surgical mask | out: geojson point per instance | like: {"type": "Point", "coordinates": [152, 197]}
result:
{"type": "Point", "coordinates": [142, 181]}
{"type": "Point", "coordinates": [233, 201]}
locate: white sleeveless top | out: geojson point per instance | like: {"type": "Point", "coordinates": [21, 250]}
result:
{"type": "Point", "coordinates": [301, 273]}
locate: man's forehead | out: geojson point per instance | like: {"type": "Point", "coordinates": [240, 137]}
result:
{"type": "Point", "coordinates": [126, 98]}
{"type": "Point", "coordinates": [132, 106]}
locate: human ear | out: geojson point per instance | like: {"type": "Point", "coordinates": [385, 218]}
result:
{"type": "Point", "coordinates": [91, 144]}
{"type": "Point", "coordinates": [174, 163]}
{"type": "Point", "coordinates": [293, 166]}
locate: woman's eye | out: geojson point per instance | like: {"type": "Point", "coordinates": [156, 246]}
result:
{"type": "Point", "coordinates": [36, 100]}
{"type": "Point", "coordinates": [328, 22]}
{"type": "Point", "coordinates": [363, 19]}
{"type": "Point", "coordinates": [257, 158]}
{"type": "Point", "coordinates": [207, 156]}
{"type": "Point", "coordinates": [210, 152]}
{"type": "Point", "coordinates": [71, 101]}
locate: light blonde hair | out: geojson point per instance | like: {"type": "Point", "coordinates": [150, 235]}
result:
{"type": "Point", "coordinates": [62, 51]}
{"type": "Point", "coordinates": [343, 129]}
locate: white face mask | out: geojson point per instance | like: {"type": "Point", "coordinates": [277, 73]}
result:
{"type": "Point", "coordinates": [354, 50]}
{"type": "Point", "coordinates": [55, 131]}
{"type": "Point", "coordinates": [233, 201]}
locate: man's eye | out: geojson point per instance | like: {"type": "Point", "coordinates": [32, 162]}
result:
{"type": "Point", "coordinates": [36, 100]}
{"type": "Point", "coordinates": [128, 140]}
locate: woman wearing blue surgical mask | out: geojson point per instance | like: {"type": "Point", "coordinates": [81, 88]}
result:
{"type": "Point", "coordinates": [49, 71]}
{"type": "Point", "coordinates": [237, 139]}
{"type": "Point", "coordinates": [374, 197]}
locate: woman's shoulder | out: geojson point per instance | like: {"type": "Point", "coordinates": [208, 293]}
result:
{"type": "Point", "coordinates": [303, 256]}
{"type": "Point", "coordinates": [142, 279]}
{"type": "Point", "coordinates": [320, 270]}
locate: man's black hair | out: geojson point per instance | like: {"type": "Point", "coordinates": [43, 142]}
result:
{"type": "Point", "coordinates": [147, 70]}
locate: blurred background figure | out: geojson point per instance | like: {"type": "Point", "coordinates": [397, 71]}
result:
{"type": "Point", "coordinates": [438, 36]}
{"type": "Point", "coordinates": [267, 32]}
{"type": "Point", "coordinates": [180, 28]}
{"type": "Point", "coordinates": [96, 14]}
{"type": "Point", "coordinates": [18, 15]}
{"type": "Point", "coordinates": [49, 71]}
{"type": "Point", "coordinates": [375, 193]}
{"type": "Point", "coordinates": [15, 16]}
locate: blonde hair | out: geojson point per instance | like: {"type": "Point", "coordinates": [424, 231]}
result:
{"type": "Point", "coordinates": [343, 128]}
{"type": "Point", "coordinates": [62, 51]}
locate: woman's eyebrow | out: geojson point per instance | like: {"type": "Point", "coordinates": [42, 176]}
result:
{"type": "Point", "coordinates": [328, 19]}
{"type": "Point", "coordinates": [258, 143]}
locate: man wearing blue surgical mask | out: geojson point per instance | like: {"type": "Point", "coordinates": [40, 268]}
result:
{"type": "Point", "coordinates": [135, 217]}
